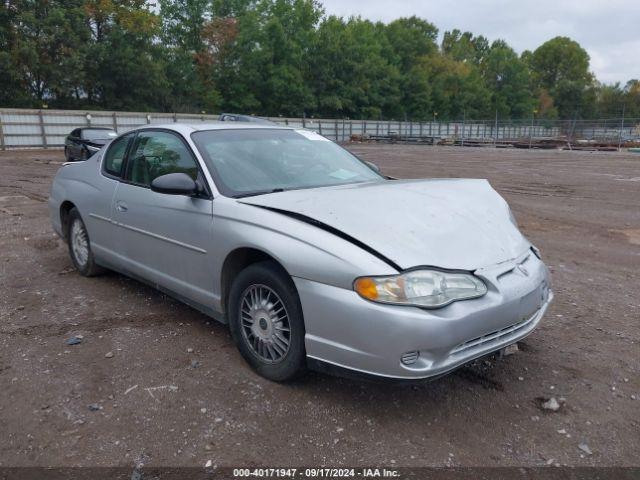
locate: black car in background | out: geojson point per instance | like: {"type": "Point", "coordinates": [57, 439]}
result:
{"type": "Point", "coordinates": [84, 142]}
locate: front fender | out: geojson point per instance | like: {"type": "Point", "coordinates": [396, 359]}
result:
{"type": "Point", "coordinates": [303, 250]}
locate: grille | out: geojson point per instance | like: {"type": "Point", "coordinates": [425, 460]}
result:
{"type": "Point", "coordinates": [410, 358]}
{"type": "Point", "coordinates": [498, 334]}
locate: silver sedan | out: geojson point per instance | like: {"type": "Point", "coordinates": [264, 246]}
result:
{"type": "Point", "coordinates": [310, 255]}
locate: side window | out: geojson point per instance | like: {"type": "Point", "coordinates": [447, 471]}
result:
{"type": "Point", "coordinates": [158, 153]}
{"type": "Point", "coordinates": [114, 158]}
{"type": "Point", "coordinates": [75, 133]}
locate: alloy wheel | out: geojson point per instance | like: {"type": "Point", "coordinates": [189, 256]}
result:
{"type": "Point", "coordinates": [265, 323]}
{"type": "Point", "coordinates": [79, 242]}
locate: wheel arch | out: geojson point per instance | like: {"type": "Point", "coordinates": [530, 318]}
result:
{"type": "Point", "coordinates": [235, 262]}
{"type": "Point", "coordinates": [65, 208]}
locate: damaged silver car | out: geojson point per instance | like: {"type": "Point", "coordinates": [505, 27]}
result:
{"type": "Point", "coordinates": [310, 255]}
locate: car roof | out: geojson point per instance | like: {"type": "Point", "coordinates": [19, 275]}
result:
{"type": "Point", "coordinates": [187, 128]}
{"type": "Point", "coordinates": [96, 128]}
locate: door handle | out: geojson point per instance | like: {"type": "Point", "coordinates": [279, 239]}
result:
{"type": "Point", "coordinates": [121, 207]}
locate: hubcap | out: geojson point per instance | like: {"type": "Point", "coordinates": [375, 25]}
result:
{"type": "Point", "coordinates": [265, 323]}
{"type": "Point", "coordinates": [79, 242]}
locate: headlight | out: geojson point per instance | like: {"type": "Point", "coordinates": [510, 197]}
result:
{"type": "Point", "coordinates": [421, 288]}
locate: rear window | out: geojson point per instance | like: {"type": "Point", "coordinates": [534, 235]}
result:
{"type": "Point", "coordinates": [114, 158]}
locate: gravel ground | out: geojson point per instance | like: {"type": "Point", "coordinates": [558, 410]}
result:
{"type": "Point", "coordinates": [155, 382]}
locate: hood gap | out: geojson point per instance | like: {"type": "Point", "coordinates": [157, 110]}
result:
{"type": "Point", "coordinates": [333, 231]}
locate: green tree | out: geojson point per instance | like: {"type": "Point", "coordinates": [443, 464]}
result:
{"type": "Point", "coordinates": [47, 41]}
{"type": "Point", "coordinates": [12, 88]}
{"type": "Point", "coordinates": [411, 38]}
{"type": "Point", "coordinates": [350, 73]}
{"type": "Point", "coordinates": [560, 66]}
{"type": "Point", "coordinates": [609, 100]}
{"type": "Point", "coordinates": [507, 77]}
{"type": "Point", "coordinates": [465, 47]}
{"type": "Point", "coordinates": [196, 35]}
{"type": "Point", "coordinates": [457, 88]}
{"type": "Point", "coordinates": [632, 99]}
{"type": "Point", "coordinates": [124, 66]}
{"type": "Point", "coordinates": [282, 57]}
{"type": "Point", "coordinates": [417, 101]}
{"type": "Point", "coordinates": [267, 66]}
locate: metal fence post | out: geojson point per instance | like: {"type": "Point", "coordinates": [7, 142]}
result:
{"type": "Point", "coordinates": [114, 118]}
{"type": "Point", "coordinates": [2, 142]}
{"type": "Point", "coordinates": [464, 117]}
{"type": "Point", "coordinates": [621, 128]}
{"type": "Point", "coordinates": [336, 132]}
{"type": "Point", "coordinates": [42, 130]}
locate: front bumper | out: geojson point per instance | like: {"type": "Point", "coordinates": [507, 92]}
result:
{"type": "Point", "coordinates": [344, 330]}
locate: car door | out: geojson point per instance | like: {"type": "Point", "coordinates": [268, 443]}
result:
{"type": "Point", "coordinates": [166, 239]}
{"type": "Point", "coordinates": [99, 205]}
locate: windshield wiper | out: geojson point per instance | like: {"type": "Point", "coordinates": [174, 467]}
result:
{"type": "Point", "coordinates": [259, 192]}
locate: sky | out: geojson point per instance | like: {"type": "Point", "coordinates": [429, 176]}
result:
{"type": "Point", "coordinates": [609, 30]}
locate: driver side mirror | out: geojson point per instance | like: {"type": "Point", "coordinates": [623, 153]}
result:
{"type": "Point", "coordinates": [373, 166]}
{"type": "Point", "coordinates": [174, 184]}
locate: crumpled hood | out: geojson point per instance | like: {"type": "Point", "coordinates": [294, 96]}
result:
{"type": "Point", "coordinates": [448, 223]}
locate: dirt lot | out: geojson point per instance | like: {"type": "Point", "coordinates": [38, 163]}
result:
{"type": "Point", "coordinates": [176, 392]}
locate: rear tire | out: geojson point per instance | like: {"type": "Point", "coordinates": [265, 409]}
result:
{"type": "Point", "coordinates": [80, 246]}
{"type": "Point", "coordinates": [266, 321]}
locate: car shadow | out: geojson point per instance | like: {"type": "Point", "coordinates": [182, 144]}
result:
{"type": "Point", "coordinates": [481, 377]}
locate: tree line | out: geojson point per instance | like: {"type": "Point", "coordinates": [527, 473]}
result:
{"type": "Point", "coordinates": [284, 57]}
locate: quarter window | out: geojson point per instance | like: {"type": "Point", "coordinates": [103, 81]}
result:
{"type": "Point", "coordinates": [114, 158]}
{"type": "Point", "coordinates": [159, 153]}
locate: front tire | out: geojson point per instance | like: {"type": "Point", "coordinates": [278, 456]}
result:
{"type": "Point", "coordinates": [266, 321]}
{"type": "Point", "coordinates": [80, 246]}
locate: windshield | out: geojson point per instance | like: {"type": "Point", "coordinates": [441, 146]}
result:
{"type": "Point", "coordinates": [98, 134]}
{"type": "Point", "coordinates": [248, 162]}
